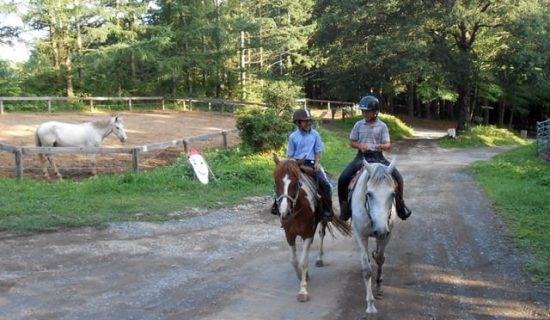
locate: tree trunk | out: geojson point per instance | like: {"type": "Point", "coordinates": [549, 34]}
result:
{"type": "Point", "coordinates": [69, 75]}
{"type": "Point", "coordinates": [463, 105]}
{"type": "Point", "coordinates": [410, 100]}
{"type": "Point", "coordinates": [501, 110]}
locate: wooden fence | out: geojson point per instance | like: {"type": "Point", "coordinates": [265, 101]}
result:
{"type": "Point", "coordinates": [332, 106]}
{"type": "Point", "coordinates": [20, 152]}
{"type": "Point", "coordinates": [187, 102]}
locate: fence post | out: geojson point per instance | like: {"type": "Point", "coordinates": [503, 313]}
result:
{"type": "Point", "coordinates": [19, 163]}
{"type": "Point", "coordinates": [1, 106]}
{"type": "Point", "coordinates": [185, 145]}
{"type": "Point", "coordinates": [209, 106]}
{"type": "Point", "coordinates": [224, 135]}
{"type": "Point", "coordinates": [130, 103]}
{"type": "Point", "coordinates": [92, 105]}
{"type": "Point", "coordinates": [49, 105]}
{"type": "Point", "coordinates": [162, 101]}
{"type": "Point", "coordinates": [135, 159]}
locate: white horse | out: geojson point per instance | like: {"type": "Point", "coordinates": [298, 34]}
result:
{"type": "Point", "coordinates": [373, 216]}
{"type": "Point", "coordinates": [87, 134]}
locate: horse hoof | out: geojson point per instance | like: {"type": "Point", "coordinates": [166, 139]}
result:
{"type": "Point", "coordinates": [319, 263]}
{"type": "Point", "coordinates": [302, 297]}
{"type": "Point", "coordinates": [371, 310]}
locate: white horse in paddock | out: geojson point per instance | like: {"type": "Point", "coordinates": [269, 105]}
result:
{"type": "Point", "coordinates": [373, 215]}
{"type": "Point", "coordinates": [87, 134]}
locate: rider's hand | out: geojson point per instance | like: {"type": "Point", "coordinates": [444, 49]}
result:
{"type": "Point", "coordinates": [317, 166]}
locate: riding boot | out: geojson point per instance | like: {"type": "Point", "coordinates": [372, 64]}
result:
{"type": "Point", "coordinates": [402, 211]}
{"type": "Point", "coordinates": [345, 212]}
{"type": "Point", "coordinates": [327, 205]}
{"type": "Point", "coordinates": [275, 208]}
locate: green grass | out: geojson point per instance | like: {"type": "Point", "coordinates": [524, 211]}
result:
{"type": "Point", "coordinates": [483, 136]}
{"type": "Point", "coordinates": [519, 185]}
{"type": "Point", "coordinates": [29, 205]}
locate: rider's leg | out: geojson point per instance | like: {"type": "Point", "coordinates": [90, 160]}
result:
{"type": "Point", "coordinates": [326, 195]}
{"type": "Point", "coordinates": [402, 211]}
{"type": "Point", "coordinates": [343, 184]}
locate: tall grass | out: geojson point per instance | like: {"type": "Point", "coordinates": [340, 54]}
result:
{"type": "Point", "coordinates": [483, 136]}
{"type": "Point", "coordinates": [519, 185]}
{"type": "Point", "coordinates": [398, 129]}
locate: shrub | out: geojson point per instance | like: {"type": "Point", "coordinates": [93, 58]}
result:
{"type": "Point", "coordinates": [262, 129]}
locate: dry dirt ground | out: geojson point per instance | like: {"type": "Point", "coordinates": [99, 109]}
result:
{"type": "Point", "coordinates": [451, 260]}
{"type": "Point", "coordinates": [141, 129]}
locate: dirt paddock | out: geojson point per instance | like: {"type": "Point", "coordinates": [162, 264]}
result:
{"type": "Point", "coordinates": [141, 128]}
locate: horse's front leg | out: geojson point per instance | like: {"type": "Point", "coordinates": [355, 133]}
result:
{"type": "Point", "coordinates": [294, 260]}
{"type": "Point", "coordinates": [322, 232]}
{"type": "Point", "coordinates": [363, 244]}
{"type": "Point", "coordinates": [303, 295]}
{"type": "Point", "coordinates": [380, 258]}
{"type": "Point", "coordinates": [94, 168]}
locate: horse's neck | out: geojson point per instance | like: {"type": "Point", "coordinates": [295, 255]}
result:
{"type": "Point", "coordinates": [308, 183]}
{"type": "Point", "coordinates": [103, 127]}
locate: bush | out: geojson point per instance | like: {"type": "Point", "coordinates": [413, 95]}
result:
{"type": "Point", "coordinates": [262, 129]}
{"type": "Point", "coordinates": [281, 96]}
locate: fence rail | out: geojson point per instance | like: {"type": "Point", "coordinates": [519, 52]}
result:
{"type": "Point", "coordinates": [186, 101]}
{"type": "Point", "coordinates": [543, 139]}
{"type": "Point", "coordinates": [19, 152]}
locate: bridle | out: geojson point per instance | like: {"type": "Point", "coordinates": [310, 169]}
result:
{"type": "Point", "coordinates": [367, 207]}
{"type": "Point", "coordinates": [292, 200]}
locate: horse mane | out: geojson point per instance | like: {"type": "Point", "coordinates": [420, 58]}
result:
{"type": "Point", "coordinates": [291, 167]}
{"type": "Point", "coordinates": [380, 175]}
{"type": "Point", "coordinates": [102, 123]}
{"type": "Point", "coordinates": [376, 177]}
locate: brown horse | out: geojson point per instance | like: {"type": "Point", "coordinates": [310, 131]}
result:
{"type": "Point", "coordinates": [299, 205]}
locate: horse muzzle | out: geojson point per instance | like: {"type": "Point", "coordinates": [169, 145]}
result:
{"type": "Point", "coordinates": [381, 234]}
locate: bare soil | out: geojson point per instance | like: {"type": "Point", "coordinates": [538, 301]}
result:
{"type": "Point", "coordinates": [451, 260]}
{"type": "Point", "coordinates": [141, 128]}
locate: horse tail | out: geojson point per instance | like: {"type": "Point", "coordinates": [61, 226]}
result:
{"type": "Point", "coordinates": [38, 144]}
{"type": "Point", "coordinates": [340, 225]}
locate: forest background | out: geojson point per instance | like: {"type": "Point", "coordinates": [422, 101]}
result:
{"type": "Point", "coordinates": [473, 61]}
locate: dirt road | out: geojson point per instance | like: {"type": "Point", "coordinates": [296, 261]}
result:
{"type": "Point", "coordinates": [450, 260]}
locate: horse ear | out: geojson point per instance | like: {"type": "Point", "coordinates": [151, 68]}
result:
{"type": "Point", "coordinates": [276, 158]}
{"type": "Point", "coordinates": [390, 168]}
{"type": "Point", "coordinates": [118, 119]}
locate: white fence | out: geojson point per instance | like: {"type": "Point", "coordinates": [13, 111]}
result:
{"type": "Point", "coordinates": [20, 152]}
{"type": "Point", "coordinates": [543, 139]}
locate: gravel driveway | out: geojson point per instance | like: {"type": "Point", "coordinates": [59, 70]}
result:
{"type": "Point", "coordinates": [451, 260]}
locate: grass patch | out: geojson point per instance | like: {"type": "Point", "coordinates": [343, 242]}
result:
{"type": "Point", "coordinates": [519, 185]}
{"type": "Point", "coordinates": [30, 205]}
{"type": "Point", "coordinates": [482, 136]}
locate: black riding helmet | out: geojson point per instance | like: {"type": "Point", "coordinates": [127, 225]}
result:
{"type": "Point", "coordinates": [302, 114]}
{"type": "Point", "coordinates": [369, 103]}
